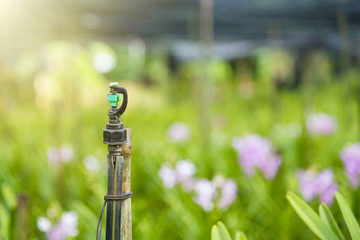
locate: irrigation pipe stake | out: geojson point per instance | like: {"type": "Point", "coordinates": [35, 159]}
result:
{"type": "Point", "coordinates": [118, 139]}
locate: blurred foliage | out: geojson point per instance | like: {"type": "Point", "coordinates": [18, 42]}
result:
{"type": "Point", "coordinates": [55, 97]}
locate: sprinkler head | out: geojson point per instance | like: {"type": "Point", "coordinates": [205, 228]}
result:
{"type": "Point", "coordinates": [115, 133]}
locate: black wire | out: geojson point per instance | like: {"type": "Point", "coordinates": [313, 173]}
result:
{"type": "Point", "coordinates": [106, 199]}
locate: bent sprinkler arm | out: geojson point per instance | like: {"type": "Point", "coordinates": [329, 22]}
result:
{"type": "Point", "coordinates": [114, 96]}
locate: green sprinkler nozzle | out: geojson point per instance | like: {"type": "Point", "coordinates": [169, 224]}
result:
{"type": "Point", "coordinates": [114, 98]}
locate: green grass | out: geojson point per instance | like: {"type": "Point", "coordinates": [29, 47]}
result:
{"type": "Point", "coordinates": [75, 114]}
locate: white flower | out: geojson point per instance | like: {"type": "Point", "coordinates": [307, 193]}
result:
{"type": "Point", "coordinates": [182, 173]}
{"type": "Point", "coordinates": [205, 194]}
{"type": "Point", "coordinates": [43, 224]}
{"type": "Point", "coordinates": [321, 124]}
{"type": "Point", "coordinates": [92, 164]}
{"type": "Point", "coordinates": [228, 193]}
{"type": "Point", "coordinates": [69, 220]}
{"type": "Point", "coordinates": [56, 156]}
{"type": "Point", "coordinates": [185, 169]}
{"type": "Point", "coordinates": [104, 62]}
{"type": "Point", "coordinates": [53, 156]}
{"type": "Point", "coordinates": [66, 227]}
{"type": "Point", "coordinates": [66, 153]}
{"type": "Point", "coordinates": [178, 132]}
{"type": "Point", "coordinates": [168, 176]}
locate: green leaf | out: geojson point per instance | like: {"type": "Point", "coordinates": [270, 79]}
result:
{"type": "Point", "coordinates": [215, 234]}
{"type": "Point", "coordinates": [9, 196]}
{"type": "Point", "coordinates": [350, 220]}
{"type": "Point", "coordinates": [220, 232]}
{"type": "Point", "coordinates": [240, 236]}
{"type": "Point", "coordinates": [328, 218]}
{"type": "Point", "coordinates": [314, 222]}
{"type": "Point", "coordinates": [4, 223]}
{"type": "Point", "coordinates": [224, 233]}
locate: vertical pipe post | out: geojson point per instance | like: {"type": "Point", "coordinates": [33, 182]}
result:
{"type": "Point", "coordinates": [113, 213]}
{"type": "Point", "coordinates": [115, 136]}
{"type": "Point", "coordinates": [126, 226]}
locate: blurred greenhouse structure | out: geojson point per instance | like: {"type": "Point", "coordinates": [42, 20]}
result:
{"type": "Point", "coordinates": [232, 103]}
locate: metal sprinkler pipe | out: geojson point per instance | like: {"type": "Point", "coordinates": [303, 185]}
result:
{"type": "Point", "coordinates": [115, 136]}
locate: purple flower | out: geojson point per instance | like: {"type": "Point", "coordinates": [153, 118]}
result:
{"type": "Point", "coordinates": [66, 227]}
{"type": "Point", "coordinates": [350, 156]}
{"type": "Point", "coordinates": [256, 152]}
{"type": "Point", "coordinates": [205, 193]}
{"type": "Point", "coordinates": [63, 154]}
{"type": "Point", "coordinates": [220, 192]}
{"type": "Point", "coordinates": [66, 153]}
{"type": "Point", "coordinates": [228, 193]}
{"type": "Point", "coordinates": [270, 167]}
{"type": "Point", "coordinates": [321, 124]}
{"type": "Point", "coordinates": [313, 184]}
{"type": "Point", "coordinates": [178, 132]}
{"type": "Point", "coordinates": [168, 176]}
{"type": "Point", "coordinates": [188, 184]}
{"type": "Point", "coordinates": [184, 169]}
{"type": "Point", "coordinates": [183, 172]}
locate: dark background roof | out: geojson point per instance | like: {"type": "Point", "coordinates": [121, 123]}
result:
{"type": "Point", "coordinates": [295, 22]}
